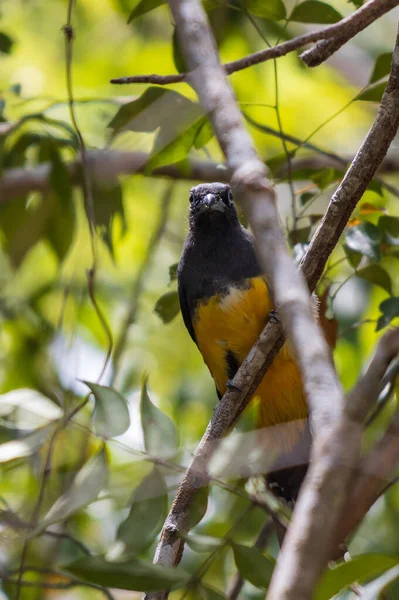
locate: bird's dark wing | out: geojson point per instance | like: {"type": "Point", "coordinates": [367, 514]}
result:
{"type": "Point", "coordinates": [185, 310]}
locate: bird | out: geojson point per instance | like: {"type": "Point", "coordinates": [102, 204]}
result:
{"type": "Point", "coordinates": [225, 303]}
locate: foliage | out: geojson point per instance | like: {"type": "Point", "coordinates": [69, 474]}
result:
{"type": "Point", "coordinates": [89, 457]}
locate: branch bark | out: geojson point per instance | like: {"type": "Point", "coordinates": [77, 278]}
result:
{"type": "Point", "coordinates": [104, 166]}
{"type": "Point", "coordinates": [336, 34]}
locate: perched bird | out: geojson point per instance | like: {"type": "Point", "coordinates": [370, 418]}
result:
{"type": "Point", "coordinates": [226, 303]}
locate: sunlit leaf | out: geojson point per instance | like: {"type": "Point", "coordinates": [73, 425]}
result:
{"type": "Point", "coordinates": [61, 222]}
{"type": "Point", "coordinates": [274, 10]}
{"type": "Point", "coordinates": [140, 114]}
{"type": "Point", "coordinates": [24, 446]}
{"type": "Point", "coordinates": [359, 569]}
{"type": "Point", "coordinates": [167, 306]}
{"type": "Point", "coordinates": [111, 413]}
{"type": "Point", "coordinates": [379, 587]}
{"type": "Point", "coordinates": [85, 488]}
{"type": "Point", "coordinates": [160, 434]}
{"type": "Point", "coordinates": [146, 515]}
{"type": "Point", "coordinates": [32, 403]}
{"type": "Point", "coordinates": [143, 7]}
{"type": "Point", "coordinates": [377, 275]}
{"type": "Point", "coordinates": [373, 93]}
{"type": "Point", "coordinates": [133, 575]}
{"type": "Point", "coordinates": [253, 565]}
{"type": "Point", "coordinates": [6, 43]}
{"type": "Point", "coordinates": [209, 593]}
{"type": "Point", "coordinates": [204, 133]}
{"type": "Point", "coordinates": [382, 67]}
{"type": "Point", "coordinates": [354, 258]}
{"type": "Point", "coordinates": [365, 239]}
{"type": "Point", "coordinates": [390, 310]}
{"type": "Point", "coordinates": [313, 11]}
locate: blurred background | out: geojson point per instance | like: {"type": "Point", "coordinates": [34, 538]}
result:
{"type": "Point", "coordinates": [57, 315]}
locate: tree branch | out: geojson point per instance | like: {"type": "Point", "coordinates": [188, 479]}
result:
{"type": "Point", "coordinates": [105, 166]}
{"type": "Point", "coordinates": [351, 26]}
{"type": "Point", "coordinates": [335, 34]}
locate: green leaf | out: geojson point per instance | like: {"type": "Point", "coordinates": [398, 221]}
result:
{"type": "Point", "coordinates": [253, 565]}
{"type": "Point", "coordinates": [359, 569]}
{"type": "Point", "coordinates": [306, 197]}
{"type": "Point", "coordinates": [377, 275]}
{"type": "Point", "coordinates": [38, 408]}
{"type": "Point", "coordinates": [202, 543]}
{"type": "Point", "coordinates": [364, 238]}
{"type": "Point", "coordinates": [390, 310]}
{"type": "Point", "coordinates": [167, 306]}
{"type": "Point", "coordinates": [160, 435]}
{"type": "Point", "coordinates": [198, 506]}
{"type": "Point", "coordinates": [390, 229]}
{"type": "Point", "coordinates": [24, 446]}
{"type": "Point", "coordinates": [274, 10]}
{"type": "Point", "coordinates": [204, 133]}
{"type": "Point", "coordinates": [143, 7]}
{"type": "Point", "coordinates": [382, 67]}
{"type": "Point", "coordinates": [173, 272]}
{"type": "Point", "coordinates": [61, 222]}
{"type": "Point", "coordinates": [313, 11]}
{"type": "Point", "coordinates": [108, 203]}
{"type": "Point", "coordinates": [6, 43]}
{"type": "Point", "coordinates": [379, 587]}
{"type": "Point", "coordinates": [373, 93]}
{"type": "Point", "coordinates": [178, 58]}
{"type": "Point", "coordinates": [140, 114]}
{"type": "Point", "coordinates": [146, 515]}
{"type": "Point", "coordinates": [176, 137]}
{"type": "Point", "coordinates": [111, 414]}
{"type": "Point", "coordinates": [209, 593]}
{"type": "Point", "coordinates": [85, 488]}
{"type": "Point", "coordinates": [353, 258]}
{"type": "Point", "coordinates": [23, 226]}
{"type": "Point", "coordinates": [135, 575]}
{"type": "Point", "coordinates": [299, 236]}
{"type": "Point", "coordinates": [323, 177]}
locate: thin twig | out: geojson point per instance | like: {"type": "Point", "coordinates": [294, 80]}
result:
{"type": "Point", "coordinates": [343, 30]}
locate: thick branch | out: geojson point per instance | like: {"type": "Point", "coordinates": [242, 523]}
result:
{"type": "Point", "coordinates": [337, 33]}
{"type": "Point", "coordinates": [105, 166]}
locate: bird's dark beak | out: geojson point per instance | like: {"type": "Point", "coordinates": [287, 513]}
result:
{"type": "Point", "coordinates": [209, 200]}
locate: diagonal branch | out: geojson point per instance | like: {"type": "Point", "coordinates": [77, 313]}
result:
{"type": "Point", "coordinates": [335, 34]}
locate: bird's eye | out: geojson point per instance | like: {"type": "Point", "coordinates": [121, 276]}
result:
{"type": "Point", "coordinates": [230, 196]}
{"type": "Point", "coordinates": [191, 197]}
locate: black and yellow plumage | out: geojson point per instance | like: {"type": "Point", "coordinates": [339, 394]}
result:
{"type": "Point", "coordinates": [225, 303]}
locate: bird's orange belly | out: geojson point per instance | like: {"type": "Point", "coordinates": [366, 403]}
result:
{"type": "Point", "coordinates": [231, 324]}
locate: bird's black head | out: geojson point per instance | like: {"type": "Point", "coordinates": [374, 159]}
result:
{"type": "Point", "coordinates": [212, 204]}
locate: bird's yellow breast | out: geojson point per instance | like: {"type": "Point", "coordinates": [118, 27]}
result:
{"type": "Point", "coordinates": [231, 323]}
